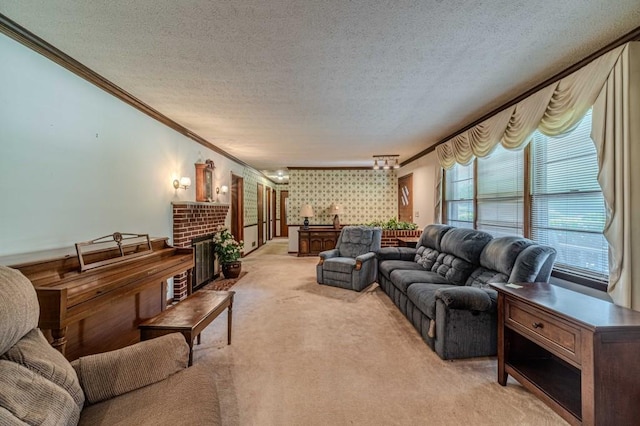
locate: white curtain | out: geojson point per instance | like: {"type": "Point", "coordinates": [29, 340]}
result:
{"type": "Point", "coordinates": [437, 214]}
{"type": "Point", "coordinates": [616, 134]}
{"type": "Point", "coordinates": [611, 84]}
{"type": "Point", "coordinates": [553, 110]}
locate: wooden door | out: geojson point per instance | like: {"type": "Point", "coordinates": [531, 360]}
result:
{"type": "Point", "coordinates": [405, 198]}
{"type": "Point", "coordinates": [260, 214]}
{"type": "Point", "coordinates": [273, 212]}
{"type": "Point", "coordinates": [237, 210]}
{"type": "Point", "coordinates": [284, 228]}
{"type": "Point", "coordinates": [269, 236]}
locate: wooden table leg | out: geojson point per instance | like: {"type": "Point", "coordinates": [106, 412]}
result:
{"type": "Point", "coordinates": [198, 339]}
{"type": "Point", "coordinates": [59, 339]}
{"type": "Point", "coordinates": [230, 315]}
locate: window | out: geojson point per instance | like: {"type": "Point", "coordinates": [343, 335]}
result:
{"type": "Point", "coordinates": [459, 196]}
{"type": "Point", "coordinates": [564, 209]}
{"type": "Point", "coordinates": [500, 193]}
{"type": "Point", "coordinates": [567, 206]}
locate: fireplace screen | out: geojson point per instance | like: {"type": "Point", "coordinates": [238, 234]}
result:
{"type": "Point", "coordinates": [205, 260]}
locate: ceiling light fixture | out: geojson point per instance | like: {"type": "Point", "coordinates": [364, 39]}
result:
{"type": "Point", "coordinates": [390, 161]}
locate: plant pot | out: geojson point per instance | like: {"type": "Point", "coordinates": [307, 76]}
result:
{"type": "Point", "coordinates": [232, 269]}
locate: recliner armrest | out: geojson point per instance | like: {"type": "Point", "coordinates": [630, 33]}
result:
{"type": "Point", "coordinates": [109, 374]}
{"type": "Point", "coordinates": [366, 257]}
{"type": "Point", "coordinates": [470, 298]}
{"type": "Point", "coordinates": [396, 253]}
{"type": "Point", "coordinates": [328, 254]}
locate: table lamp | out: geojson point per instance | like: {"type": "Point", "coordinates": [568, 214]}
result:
{"type": "Point", "coordinates": [306, 212]}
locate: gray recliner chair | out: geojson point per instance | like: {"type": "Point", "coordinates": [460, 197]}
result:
{"type": "Point", "coordinates": [353, 264]}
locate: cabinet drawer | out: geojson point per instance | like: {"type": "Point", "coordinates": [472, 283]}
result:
{"type": "Point", "coordinates": [558, 336]}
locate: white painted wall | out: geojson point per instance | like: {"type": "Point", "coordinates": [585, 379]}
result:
{"type": "Point", "coordinates": [77, 163]}
{"type": "Point", "coordinates": [425, 172]}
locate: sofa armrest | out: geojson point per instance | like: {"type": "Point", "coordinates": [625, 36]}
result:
{"type": "Point", "coordinates": [469, 298]}
{"type": "Point", "coordinates": [363, 258]}
{"type": "Point", "coordinates": [396, 253]}
{"type": "Point", "coordinates": [109, 374]}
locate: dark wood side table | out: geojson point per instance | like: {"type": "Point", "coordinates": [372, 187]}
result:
{"type": "Point", "coordinates": [577, 353]}
{"type": "Point", "coordinates": [190, 316]}
{"type": "Point", "coordinates": [408, 241]}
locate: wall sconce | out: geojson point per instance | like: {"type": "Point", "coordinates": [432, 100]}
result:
{"type": "Point", "coordinates": [334, 209]}
{"type": "Point", "coordinates": [306, 211]}
{"type": "Point", "coordinates": [183, 183]}
{"type": "Point", "coordinates": [224, 189]}
{"type": "Point", "coordinates": [389, 160]}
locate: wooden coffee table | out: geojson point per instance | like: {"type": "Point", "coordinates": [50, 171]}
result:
{"type": "Point", "coordinates": [190, 316]}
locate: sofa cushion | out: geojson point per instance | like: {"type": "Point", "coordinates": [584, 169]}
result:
{"type": "Point", "coordinates": [189, 397]}
{"type": "Point", "coordinates": [432, 236]}
{"type": "Point", "coordinates": [34, 352]}
{"type": "Point", "coordinates": [455, 270]}
{"type": "Point", "coordinates": [481, 277]}
{"type": "Point", "coordinates": [402, 279]}
{"type": "Point", "coordinates": [466, 244]}
{"type": "Point", "coordinates": [423, 297]}
{"type": "Point", "coordinates": [32, 399]}
{"type": "Point", "coordinates": [386, 267]}
{"type": "Point", "coordinates": [426, 257]}
{"type": "Point", "coordinates": [114, 373]}
{"type": "Point", "coordinates": [340, 264]}
{"type": "Point", "coordinates": [19, 309]}
{"type": "Point", "coordinates": [500, 253]}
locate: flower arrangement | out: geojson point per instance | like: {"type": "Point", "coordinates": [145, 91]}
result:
{"type": "Point", "coordinates": [226, 247]}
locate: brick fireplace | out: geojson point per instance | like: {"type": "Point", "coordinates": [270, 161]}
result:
{"type": "Point", "coordinates": [192, 220]}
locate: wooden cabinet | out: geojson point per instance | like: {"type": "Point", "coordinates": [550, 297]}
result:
{"type": "Point", "coordinates": [575, 352]}
{"type": "Point", "coordinates": [314, 240]}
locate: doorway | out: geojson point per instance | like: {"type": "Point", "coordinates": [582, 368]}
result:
{"type": "Point", "coordinates": [284, 228]}
{"type": "Point", "coordinates": [260, 214]}
{"type": "Point", "coordinates": [237, 211]}
{"type": "Point", "coordinates": [405, 198]}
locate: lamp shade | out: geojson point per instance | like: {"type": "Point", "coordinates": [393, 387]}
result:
{"type": "Point", "coordinates": [334, 209]}
{"type": "Point", "coordinates": [185, 181]}
{"type": "Point", "coordinates": [306, 211]}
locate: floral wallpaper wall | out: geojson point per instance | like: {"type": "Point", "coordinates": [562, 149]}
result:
{"type": "Point", "coordinates": [251, 181]}
{"type": "Point", "coordinates": [250, 197]}
{"type": "Point", "coordinates": [363, 195]}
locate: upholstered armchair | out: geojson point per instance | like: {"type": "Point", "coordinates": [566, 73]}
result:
{"type": "Point", "coordinates": [353, 264]}
{"type": "Point", "coordinates": [147, 383]}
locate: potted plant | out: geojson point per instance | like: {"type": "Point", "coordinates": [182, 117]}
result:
{"type": "Point", "coordinates": [228, 252]}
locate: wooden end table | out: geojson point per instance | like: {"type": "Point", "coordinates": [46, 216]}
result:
{"type": "Point", "coordinates": [408, 241]}
{"type": "Point", "coordinates": [190, 316]}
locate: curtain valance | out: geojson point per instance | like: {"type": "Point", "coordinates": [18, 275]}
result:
{"type": "Point", "coordinates": [553, 110]}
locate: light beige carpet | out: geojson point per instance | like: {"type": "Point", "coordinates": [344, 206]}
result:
{"type": "Point", "coordinates": [306, 354]}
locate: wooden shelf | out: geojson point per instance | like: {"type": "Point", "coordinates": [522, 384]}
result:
{"type": "Point", "coordinates": [559, 381]}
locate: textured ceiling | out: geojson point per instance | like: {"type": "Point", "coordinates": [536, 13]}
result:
{"type": "Point", "coordinates": [325, 83]}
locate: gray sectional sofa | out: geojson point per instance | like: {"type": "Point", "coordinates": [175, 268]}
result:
{"type": "Point", "coordinates": [441, 286]}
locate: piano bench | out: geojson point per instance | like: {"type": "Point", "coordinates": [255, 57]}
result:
{"type": "Point", "coordinates": [190, 317]}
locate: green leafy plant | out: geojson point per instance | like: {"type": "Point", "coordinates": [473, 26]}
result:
{"type": "Point", "coordinates": [393, 224]}
{"type": "Point", "coordinates": [226, 247]}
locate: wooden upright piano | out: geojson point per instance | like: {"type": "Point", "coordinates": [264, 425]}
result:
{"type": "Point", "coordinates": [99, 309]}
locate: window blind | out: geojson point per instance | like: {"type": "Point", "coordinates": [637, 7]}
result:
{"type": "Point", "coordinates": [500, 192]}
{"type": "Point", "coordinates": [567, 206]}
{"type": "Point", "coordinates": [459, 196]}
